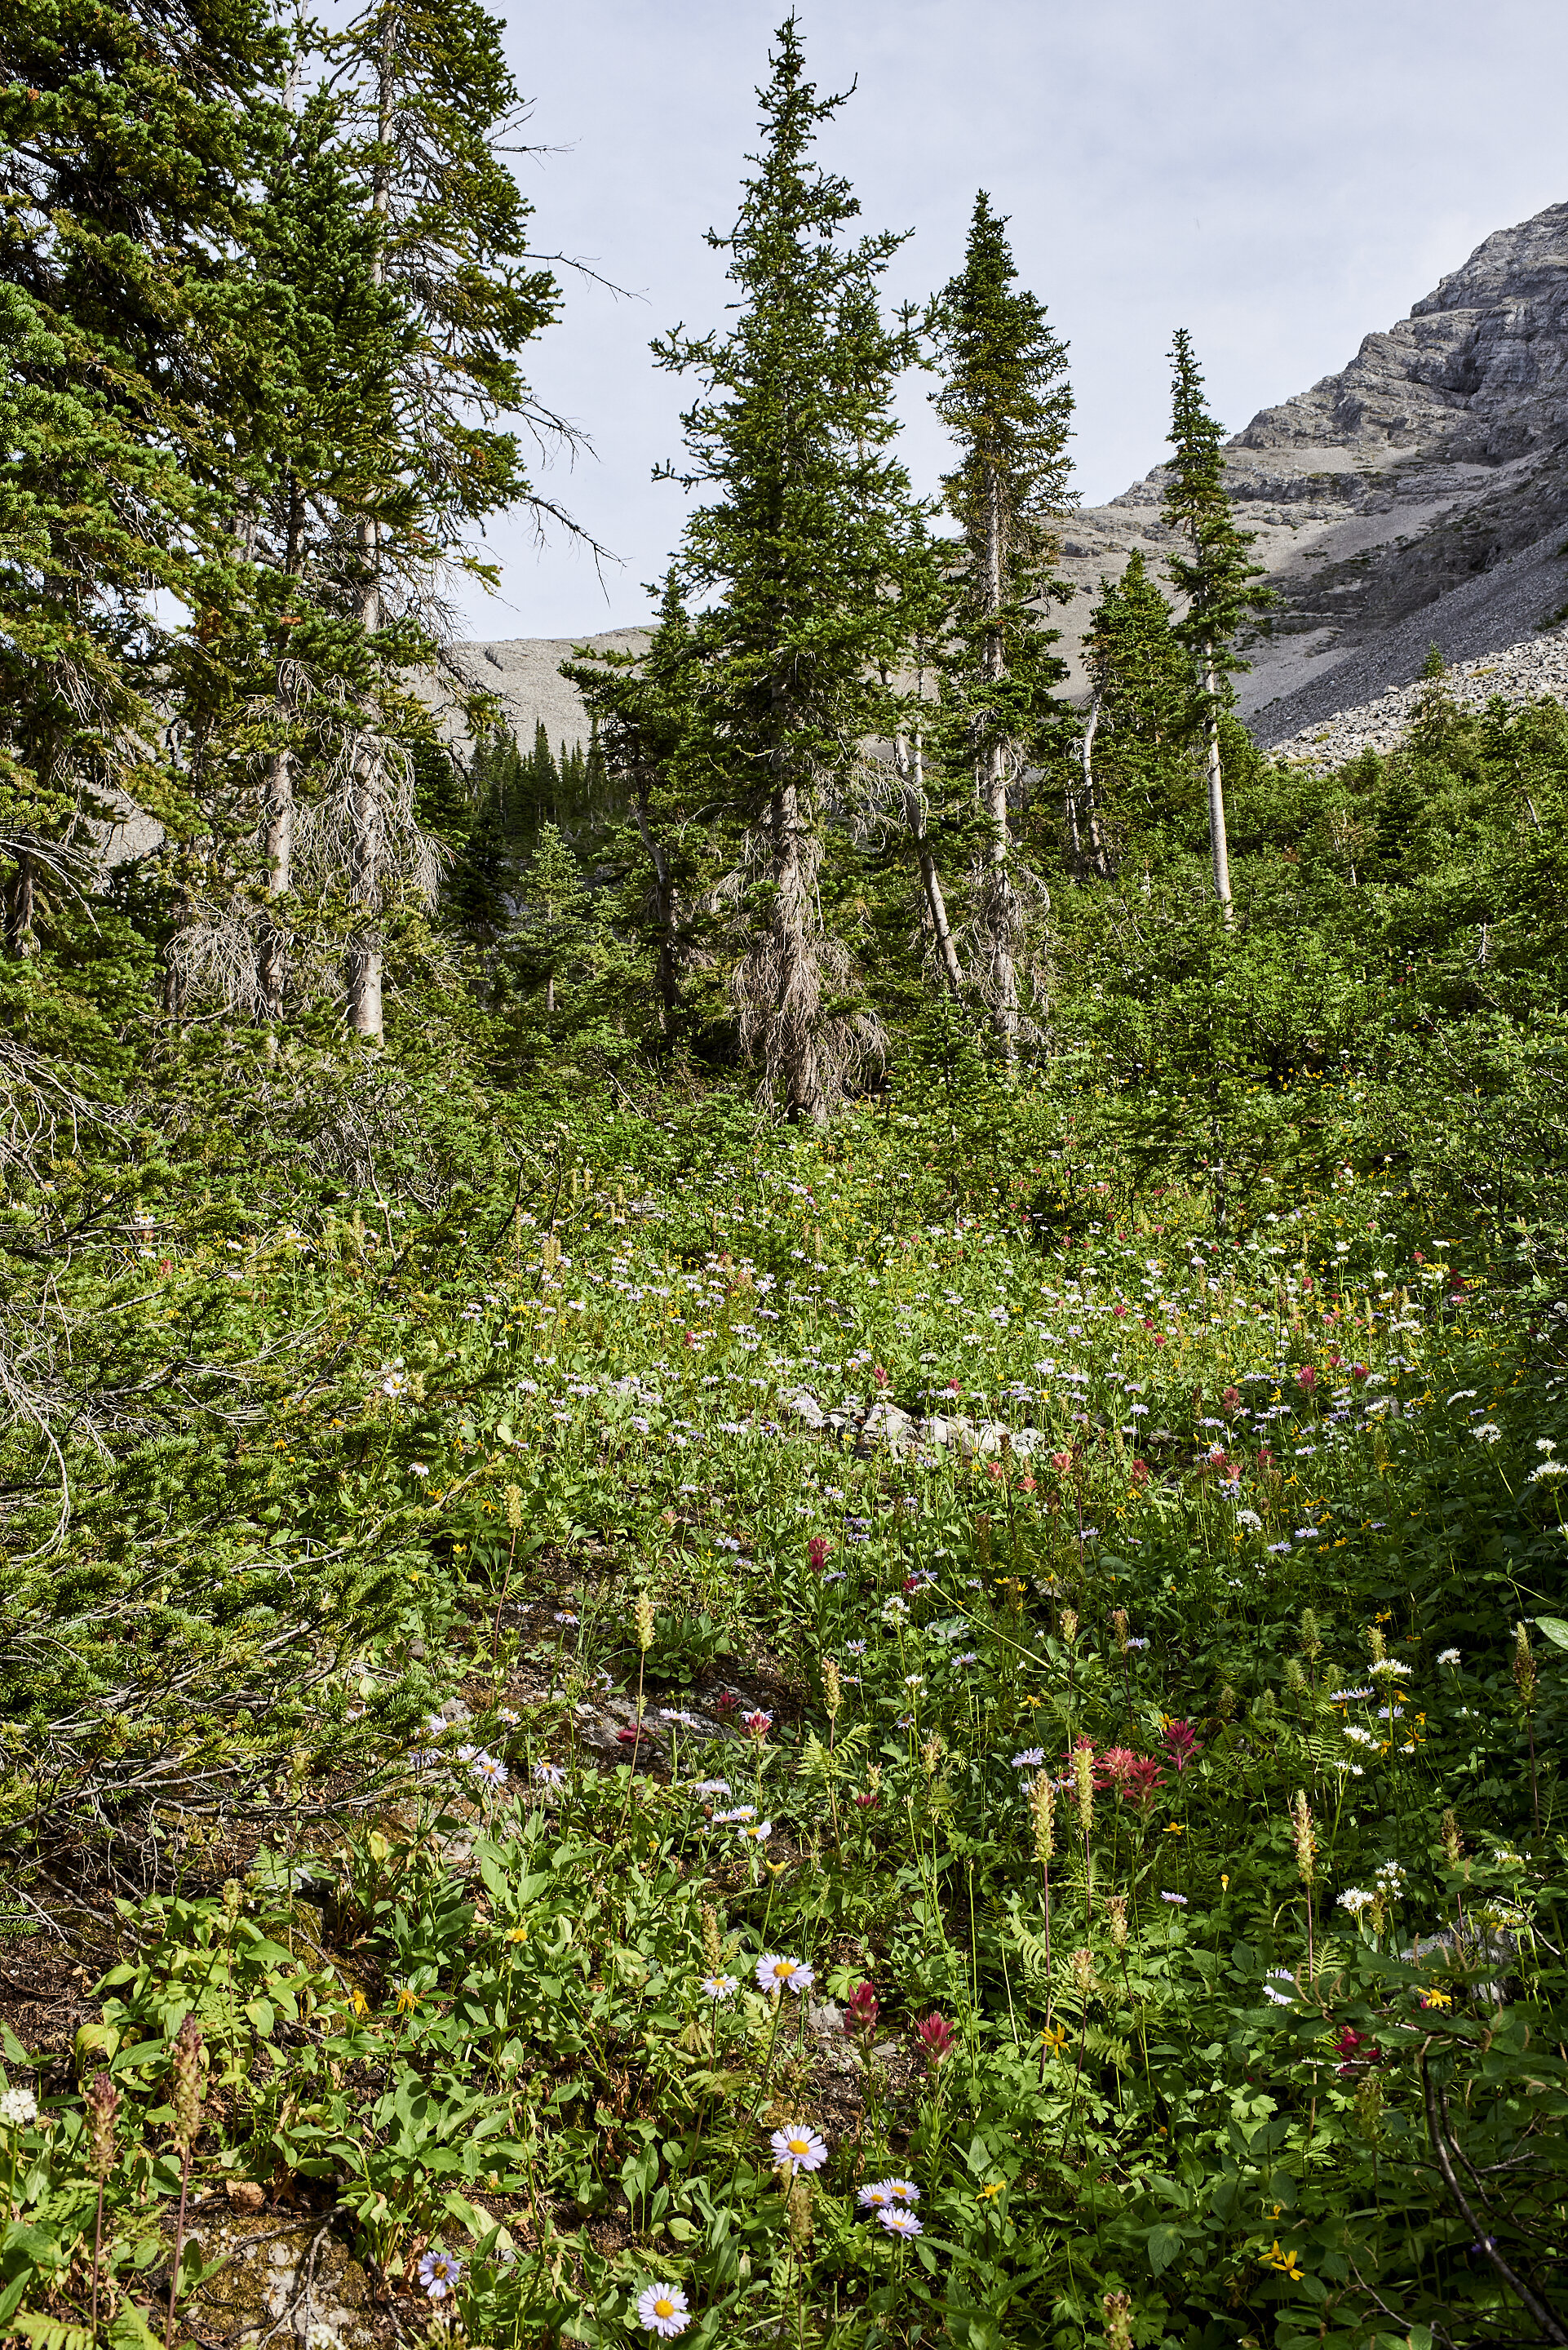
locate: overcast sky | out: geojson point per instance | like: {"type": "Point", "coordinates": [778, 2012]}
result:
{"type": "Point", "coordinates": [1279, 178]}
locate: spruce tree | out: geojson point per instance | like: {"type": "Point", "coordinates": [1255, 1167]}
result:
{"type": "Point", "coordinates": [127, 140]}
{"type": "Point", "coordinates": [1137, 743]}
{"type": "Point", "coordinates": [645, 711]}
{"type": "Point", "coordinates": [429, 103]}
{"type": "Point", "coordinates": [805, 548]}
{"type": "Point", "coordinates": [313, 423]}
{"type": "Point", "coordinates": [558, 909]}
{"type": "Point", "coordinates": [1006, 401]}
{"type": "Point", "coordinates": [1216, 577]}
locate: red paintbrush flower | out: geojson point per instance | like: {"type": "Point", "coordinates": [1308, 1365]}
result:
{"type": "Point", "coordinates": [936, 2038]}
{"type": "Point", "coordinates": [861, 2010]}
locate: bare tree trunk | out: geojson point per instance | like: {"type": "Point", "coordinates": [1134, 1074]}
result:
{"type": "Point", "coordinates": [1219, 846]}
{"type": "Point", "coordinates": [278, 849]}
{"type": "Point", "coordinates": [364, 956]}
{"type": "Point", "coordinates": [1097, 857]}
{"type": "Point", "coordinates": [908, 760]}
{"type": "Point", "coordinates": [278, 807]}
{"type": "Point", "coordinates": [793, 1069]}
{"type": "Point", "coordinates": [999, 903]}
{"type": "Point", "coordinates": [20, 900]}
{"type": "Point", "coordinates": [364, 959]}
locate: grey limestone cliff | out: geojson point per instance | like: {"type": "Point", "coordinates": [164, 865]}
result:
{"type": "Point", "coordinates": [1421, 495]}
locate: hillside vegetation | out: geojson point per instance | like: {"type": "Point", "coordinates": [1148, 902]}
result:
{"type": "Point", "coordinates": [784, 1531]}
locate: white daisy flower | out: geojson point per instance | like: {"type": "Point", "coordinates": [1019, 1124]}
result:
{"type": "Point", "coordinates": [664, 2310]}
{"type": "Point", "coordinates": [775, 1974]}
{"type": "Point", "coordinates": [798, 2146]}
{"type": "Point", "coordinates": [882, 2191]}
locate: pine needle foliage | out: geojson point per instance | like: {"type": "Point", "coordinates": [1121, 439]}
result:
{"type": "Point", "coordinates": [1006, 400]}
{"type": "Point", "coordinates": [1218, 577]}
{"type": "Point", "coordinates": [802, 553]}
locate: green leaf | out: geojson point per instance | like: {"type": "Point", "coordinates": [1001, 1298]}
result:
{"type": "Point", "coordinates": [1555, 1629]}
{"type": "Point", "coordinates": [51, 2333]}
{"type": "Point", "coordinates": [1165, 2244]}
{"type": "Point", "coordinates": [131, 2330]}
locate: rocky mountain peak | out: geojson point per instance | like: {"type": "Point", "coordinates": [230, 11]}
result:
{"type": "Point", "coordinates": [1418, 497]}
{"type": "Point", "coordinates": [1477, 372]}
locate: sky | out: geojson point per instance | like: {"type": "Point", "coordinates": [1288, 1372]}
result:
{"type": "Point", "coordinates": [1280, 180]}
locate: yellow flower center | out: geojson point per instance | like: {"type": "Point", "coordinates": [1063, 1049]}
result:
{"type": "Point", "coordinates": [662, 2308]}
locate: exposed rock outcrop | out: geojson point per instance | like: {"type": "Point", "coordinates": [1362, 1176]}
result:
{"type": "Point", "coordinates": [1419, 496]}
{"type": "Point", "coordinates": [1523, 672]}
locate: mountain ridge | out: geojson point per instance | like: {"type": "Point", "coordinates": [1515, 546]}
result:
{"type": "Point", "coordinates": [1417, 495]}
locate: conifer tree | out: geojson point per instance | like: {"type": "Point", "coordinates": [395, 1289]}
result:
{"type": "Point", "coordinates": [1136, 739]}
{"type": "Point", "coordinates": [1006, 400]}
{"type": "Point", "coordinates": [644, 709]}
{"type": "Point", "coordinates": [127, 138]}
{"type": "Point", "coordinates": [804, 547]}
{"type": "Point", "coordinates": [543, 780]}
{"type": "Point", "coordinates": [311, 401]}
{"type": "Point", "coordinates": [429, 103]}
{"type": "Point", "coordinates": [558, 905]}
{"type": "Point", "coordinates": [1216, 577]}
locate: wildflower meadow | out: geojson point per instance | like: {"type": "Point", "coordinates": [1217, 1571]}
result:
{"type": "Point", "coordinates": [785, 1749]}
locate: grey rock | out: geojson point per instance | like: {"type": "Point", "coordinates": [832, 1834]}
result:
{"type": "Point", "coordinates": [805, 1406]}
{"type": "Point", "coordinates": [524, 672]}
{"type": "Point", "coordinates": [885, 1423]}
{"type": "Point", "coordinates": [1418, 495]}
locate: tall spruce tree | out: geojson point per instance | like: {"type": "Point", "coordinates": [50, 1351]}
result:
{"type": "Point", "coordinates": [805, 549]}
{"type": "Point", "coordinates": [1137, 743]}
{"type": "Point", "coordinates": [1006, 400]}
{"type": "Point", "coordinates": [1217, 577]}
{"type": "Point", "coordinates": [430, 104]}
{"type": "Point", "coordinates": [127, 141]}
{"type": "Point", "coordinates": [645, 709]}
{"type": "Point", "coordinates": [311, 422]}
